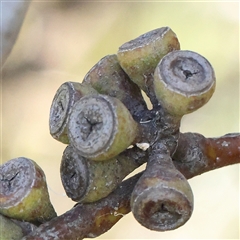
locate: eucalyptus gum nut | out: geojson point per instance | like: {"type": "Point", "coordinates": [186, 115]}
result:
{"type": "Point", "coordinates": [85, 180]}
{"type": "Point", "coordinates": [139, 57]}
{"type": "Point", "coordinates": [108, 78]}
{"type": "Point", "coordinates": [23, 191]}
{"type": "Point", "coordinates": [100, 127]}
{"type": "Point", "coordinates": [183, 82]}
{"type": "Point", "coordinates": [67, 94]}
{"type": "Point", "coordinates": [162, 199]}
{"type": "Point", "coordinates": [9, 230]}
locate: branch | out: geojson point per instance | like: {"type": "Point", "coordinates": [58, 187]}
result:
{"type": "Point", "coordinates": [195, 155]}
{"type": "Point", "coordinates": [99, 216]}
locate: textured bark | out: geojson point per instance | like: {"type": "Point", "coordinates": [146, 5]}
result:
{"type": "Point", "coordinates": [196, 154]}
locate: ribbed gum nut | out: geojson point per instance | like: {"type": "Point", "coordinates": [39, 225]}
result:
{"type": "Point", "coordinates": [9, 230]}
{"type": "Point", "coordinates": [108, 78]}
{"type": "Point", "coordinates": [139, 57]}
{"type": "Point", "coordinates": [67, 94]}
{"type": "Point", "coordinates": [85, 180]}
{"type": "Point", "coordinates": [100, 127]}
{"type": "Point", "coordinates": [23, 191]}
{"type": "Point", "coordinates": [183, 82]}
{"type": "Point", "coordinates": [162, 198]}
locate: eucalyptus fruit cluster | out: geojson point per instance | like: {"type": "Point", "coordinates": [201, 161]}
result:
{"type": "Point", "coordinates": [104, 120]}
{"type": "Point", "coordinates": [109, 131]}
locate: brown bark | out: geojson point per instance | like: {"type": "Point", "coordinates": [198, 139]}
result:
{"type": "Point", "coordinates": [196, 154]}
{"type": "Point", "coordinates": [88, 220]}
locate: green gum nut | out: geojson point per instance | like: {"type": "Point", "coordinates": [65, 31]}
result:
{"type": "Point", "coordinates": [9, 230]}
{"type": "Point", "coordinates": [23, 191]}
{"type": "Point", "coordinates": [67, 94]}
{"type": "Point", "coordinates": [100, 127]}
{"type": "Point", "coordinates": [85, 180]}
{"type": "Point", "coordinates": [139, 57]}
{"type": "Point", "coordinates": [183, 82]}
{"type": "Point", "coordinates": [108, 78]}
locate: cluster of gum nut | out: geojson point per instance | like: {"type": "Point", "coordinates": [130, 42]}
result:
{"type": "Point", "coordinates": [104, 115]}
{"type": "Point", "coordinates": [105, 122]}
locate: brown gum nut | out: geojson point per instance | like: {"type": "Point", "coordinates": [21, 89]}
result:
{"type": "Point", "coordinates": [23, 191]}
{"type": "Point", "coordinates": [183, 82]}
{"type": "Point", "coordinates": [139, 57]}
{"type": "Point", "coordinates": [67, 94]}
{"type": "Point", "coordinates": [100, 127]}
{"type": "Point", "coordinates": [162, 198]}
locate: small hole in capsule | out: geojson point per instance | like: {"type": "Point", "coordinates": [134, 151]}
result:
{"type": "Point", "coordinates": [187, 74]}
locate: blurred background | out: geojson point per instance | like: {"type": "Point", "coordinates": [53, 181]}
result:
{"type": "Point", "coordinates": [61, 40]}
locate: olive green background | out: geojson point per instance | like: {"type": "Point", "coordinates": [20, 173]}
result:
{"type": "Point", "coordinates": [61, 41]}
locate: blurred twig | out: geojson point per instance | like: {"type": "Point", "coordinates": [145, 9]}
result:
{"type": "Point", "coordinates": [13, 14]}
